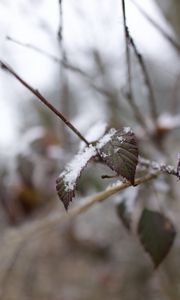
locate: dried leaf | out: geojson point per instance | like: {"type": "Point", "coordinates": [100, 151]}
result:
{"type": "Point", "coordinates": [67, 180]}
{"type": "Point", "coordinates": [157, 234]}
{"type": "Point", "coordinates": [120, 153]}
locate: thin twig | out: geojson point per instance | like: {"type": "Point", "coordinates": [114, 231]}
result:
{"type": "Point", "coordinates": [151, 97]}
{"type": "Point", "coordinates": [50, 56]}
{"type": "Point", "coordinates": [169, 38]}
{"type": "Point", "coordinates": [163, 168]}
{"type": "Point", "coordinates": [175, 96]}
{"type": "Point", "coordinates": [64, 63]}
{"type": "Point", "coordinates": [55, 218]}
{"type": "Point", "coordinates": [130, 97]}
{"type": "Point", "coordinates": [60, 31]}
{"type": "Point", "coordinates": [35, 92]}
{"type": "Point", "coordinates": [35, 48]}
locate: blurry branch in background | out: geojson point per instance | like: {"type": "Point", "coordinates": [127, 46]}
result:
{"type": "Point", "coordinates": [61, 31]}
{"type": "Point", "coordinates": [35, 48]}
{"type": "Point", "coordinates": [130, 97]}
{"type": "Point", "coordinates": [18, 239]}
{"type": "Point", "coordinates": [175, 94]}
{"type": "Point", "coordinates": [151, 97]}
{"type": "Point", "coordinates": [57, 60]}
{"type": "Point", "coordinates": [163, 168]}
{"type": "Point", "coordinates": [174, 43]}
{"type": "Point", "coordinates": [67, 65]}
{"type": "Point", "coordinates": [36, 93]}
{"type": "Point", "coordinates": [49, 56]}
{"type": "Point", "coordinates": [63, 79]}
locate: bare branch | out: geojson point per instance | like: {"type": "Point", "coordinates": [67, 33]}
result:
{"type": "Point", "coordinates": [163, 168]}
{"type": "Point", "coordinates": [61, 31]}
{"type": "Point", "coordinates": [130, 97]}
{"type": "Point", "coordinates": [50, 56]}
{"type": "Point", "coordinates": [35, 48]}
{"type": "Point", "coordinates": [174, 43]}
{"type": "Point", "coordinates": [35, 92]}
{"type": "Point", "coordinates": [151, 97]}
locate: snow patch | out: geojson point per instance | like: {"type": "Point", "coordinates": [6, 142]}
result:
{"type": "Point", "coordinates": [105, 139]}
{"type": "Point", "coordinates": [127, 130]}
{"type": "Point", "coordinates": [94, 133]}
{"type": "Point", "coordinates": [169, 121]}
{"type": "Point", "coordinates": [74, 168]}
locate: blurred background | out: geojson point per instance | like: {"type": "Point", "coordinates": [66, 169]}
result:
{"type": "Point", "coordinates": [74, 53]}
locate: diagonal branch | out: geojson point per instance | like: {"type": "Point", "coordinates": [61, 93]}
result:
{"type": "Point", "coordinates": [40, 97]}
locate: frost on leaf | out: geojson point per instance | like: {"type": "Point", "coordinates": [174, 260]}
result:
{"type": "Point", "coordinates": [67, 180]}
{"type": "Point", "coordinates": [157, 234]}
{"type": "Point", "coordinates": [119, 151]}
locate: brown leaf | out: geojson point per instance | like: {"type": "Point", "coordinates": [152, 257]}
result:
{"type": "Point", "coordinates": [157, 234]}
{"type": "Point", "coordinates": [120, 153]}
{"type": "Point", "coordinates": [67, 180]}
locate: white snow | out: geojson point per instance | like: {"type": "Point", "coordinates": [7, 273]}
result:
{"type": "Point", "coordinates": [129, 196]}
{"type": "Point", "coordinates": [74, 168]}
{"type": "Point", "coordinates": [127, 130]}
{"type": "Point", "coordinates": [106, 138]}
{"type": "Point", "coordinates": [120, 139]}
{"type": "Point", "coordinates": [95, 132]}
{"type": "Point", "coordinates": [169, 121]}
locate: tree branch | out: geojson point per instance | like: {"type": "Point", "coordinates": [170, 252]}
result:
{"type": "Point", "coordinates": [174, 43]}
{"type": "Point", "coordinates": [130, 98]}
{"type": "Point", "coordinates": [163, 168]}
{"type": "Point", "coordinates": [151, 97]}
{"type": "Point", "coordinates": [40, 97]}
{"type": "Point", "coordinates": [35, 48]}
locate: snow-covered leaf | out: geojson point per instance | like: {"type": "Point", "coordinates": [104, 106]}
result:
{"type": "Point", "coordinates": [119, 151]}
{"type": "Point", "coordinates": [67, 180]}
{"type": "Point", "coordinates": [157, 234]}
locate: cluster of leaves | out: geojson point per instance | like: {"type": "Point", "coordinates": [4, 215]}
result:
{"type": "Point", "coordinates": [118, 149]}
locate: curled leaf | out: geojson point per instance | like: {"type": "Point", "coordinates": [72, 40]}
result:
{"type": "Point", "coordinates": [157, 234]}
{"type": "Point", "coordinates": [120, 152]}
{"type": "Point", "coordinates": [67, 180]}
